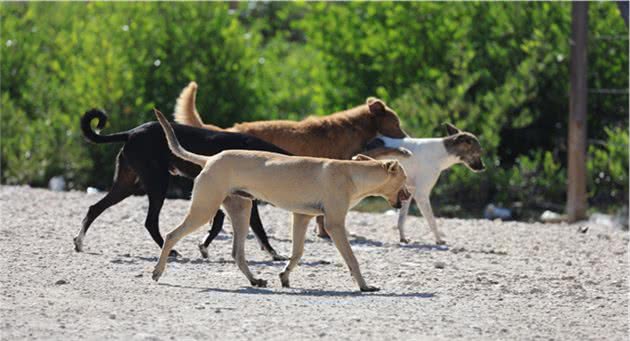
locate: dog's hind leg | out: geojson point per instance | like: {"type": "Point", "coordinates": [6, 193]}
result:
{"type": "Point", "coordinates": [402, 216]}
{"type": "Point", "coordinates": [300, 225]}
{"type": "Point", "coordinates": [125, 184]}
{"type": "Point", "coordinates": [155, 182]}
{"type": "Point", "coordinates": [239, 210]}
{"type": "Point", "coordinates": [336, 229]}
{"type": "Point", "coordinates": [261, 235]}
{"type": "Point", "coordinates": [198, 215]}
{"type": "Point", "coordinates": [321, 227]}
{"type": "Point", "coordinates": [217, 225]}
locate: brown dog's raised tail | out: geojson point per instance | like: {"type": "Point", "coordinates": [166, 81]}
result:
{"type": "Point", "coordinates": [174, 145]}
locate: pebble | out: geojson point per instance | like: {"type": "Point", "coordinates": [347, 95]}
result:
{"type": "Point", "coordinates": [439, 265]}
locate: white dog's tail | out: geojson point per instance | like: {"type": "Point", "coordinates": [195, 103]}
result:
{"type": "Point", "coordinates": [185, 109]}
{"type": "Point", "coordinates": [174, 145]}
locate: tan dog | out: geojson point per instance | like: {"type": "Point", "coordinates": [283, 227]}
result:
{"type": "Point", "coordinates": [305, 186]}
{"type": "Point", "coordinates": [337, 136]}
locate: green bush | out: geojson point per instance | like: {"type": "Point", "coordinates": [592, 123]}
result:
{"type": "Point", "coordinates": [499, 70]}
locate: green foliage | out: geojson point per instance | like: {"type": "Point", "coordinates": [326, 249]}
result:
{"type": "Point", "coordinates": [499, 70]}
{"type": "Point", "coordinates": [65, 58]}
{"type": "Point", "coordinates": [608, 167]}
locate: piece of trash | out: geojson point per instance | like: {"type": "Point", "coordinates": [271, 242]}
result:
{"type": "Point", "coordinates": [57, 184]}
{"type": "Point", "coordinates": [390, 213]}
{"type": "Point", "coordinates": [552, 217]}
{"type": "Point", "coordinates": [92, 190]}
{"type": "Point", "coordinates": [582, 228]}
{"type": "Point", "coordinates": [493, 212]}
{"type": "Point", "coordinates": [607, 220]}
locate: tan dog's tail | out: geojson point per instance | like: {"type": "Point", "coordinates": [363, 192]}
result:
{"type": "Point", "coordinates": [174, 145]}
{"type": "Point", "coordinates": [185, 109]}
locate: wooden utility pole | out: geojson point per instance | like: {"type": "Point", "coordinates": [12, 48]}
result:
{"type": "Point", "coordinates": [576, 189]}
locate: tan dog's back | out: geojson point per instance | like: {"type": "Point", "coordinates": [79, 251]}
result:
{"type": "Point", "coordinates": [286, 178]}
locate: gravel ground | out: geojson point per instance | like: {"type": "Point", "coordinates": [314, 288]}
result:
{"type": "Point", "coordinates": [494, 280]}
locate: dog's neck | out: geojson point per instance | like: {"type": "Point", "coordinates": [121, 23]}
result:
{"type": "Point", "coordinates": [433, 150]}
{"type": "Point", "coordinates": [359, 120]}
{"type": "Point", "coordinates": [369, 181]}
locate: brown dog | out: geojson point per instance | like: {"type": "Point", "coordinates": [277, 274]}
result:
{"type": "Point", "coordinates": [337, 136]}
{"type": "Point", "coordinates": [306, 186]}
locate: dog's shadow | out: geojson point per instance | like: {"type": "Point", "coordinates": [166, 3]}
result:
{"type": "Point", "coordinates": [424, 247]}
{"type": "Point", "coordinates": [299, 292]}
{"type": "Point", "coordinates": [129, 259]}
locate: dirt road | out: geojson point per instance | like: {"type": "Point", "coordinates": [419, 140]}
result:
{"type": "Point", "coordinates": [494, 280]}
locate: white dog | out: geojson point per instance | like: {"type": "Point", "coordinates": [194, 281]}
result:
{"type": "Point", "coordinates": [424, 160]}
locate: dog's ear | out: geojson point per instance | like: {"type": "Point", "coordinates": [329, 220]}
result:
{"type": "Point", "coordinates": [392, 166]}
{"type": "Point", "coordinates": [463, 138]}
{"type": "Point", "coordinates": [375, 105]}
{"type": "Point", "coordinates": [362, 157]}
{"type": "Point", "coordinates": [451, 129]}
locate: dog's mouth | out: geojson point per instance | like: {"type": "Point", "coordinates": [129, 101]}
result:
{"type": "Point", "coordinates": [477, 166]}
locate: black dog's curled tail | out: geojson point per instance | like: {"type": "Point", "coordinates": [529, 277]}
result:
{"type": "Point", "coordinates": [92, 136]}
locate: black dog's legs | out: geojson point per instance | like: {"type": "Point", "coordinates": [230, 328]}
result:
{"type": "Point", "coordinates": [156, 185]}
{"type": "Point", "coordinates": [257, 228]}
{"type": "Point", "coordinates": [217, 225]}
{"type": "Point", "coordinates": [124, 185]}
{"type": "Point", "coordinates": [261, 235]}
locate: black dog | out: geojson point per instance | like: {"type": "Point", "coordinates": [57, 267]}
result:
{"type": "Point", "coordinates": [145, 161]}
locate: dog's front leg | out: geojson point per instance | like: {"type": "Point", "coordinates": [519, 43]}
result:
{"type": "Point", "coordinates": [402, 217]}
{"type": "Point", "coordinates": [300, 225]}
{"type": "Point", "coordinates": [239, 211]}
{"type": "Point", "coordinates": [424, 204]}
{"type": "Point", "coordinates": [336, 229]}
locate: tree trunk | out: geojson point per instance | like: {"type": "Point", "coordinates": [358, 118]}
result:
{"type": "Point", "coordinates": [576, 191]}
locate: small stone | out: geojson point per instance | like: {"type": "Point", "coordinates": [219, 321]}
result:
{"type": "Point", "coordinates": [569, 263]}
{"type": "Point", "coordinates": [535, 291]}
{"type": "Point", "coordinates": [536, 248]}
{"type": "Point", "coordinates": [112, 316]}
{"type": "Point", "coordinates": [439, 265]}
{"type": "Point", "coordinates": [61, 282]}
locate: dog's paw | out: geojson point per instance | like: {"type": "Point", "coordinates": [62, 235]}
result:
{"type": "Point", "coordinates": [405, 240]}
{"type": "Point", "coordinates": [369, 288]}
{"type": "Point", "coordinates": [284, 279]}
{"type": "Point", "coordinates": [259, 282]}
{"type": "Point", "coordinates": [174, 253]}
{"type": "Point", "coordinates": [157, 273]}
{"type": "Point", "coordinates": [439, 238]}
{"type": "Point", "coordinates": [78, 244]}
{"type": "Point", "coordinates": [203, 250]}
{"type": "Point", "coordinates": [323, 235]}
{"type": "Point", "coordinates": [276, 256]}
